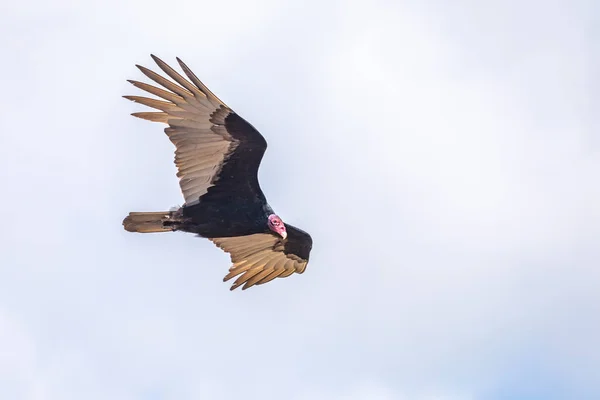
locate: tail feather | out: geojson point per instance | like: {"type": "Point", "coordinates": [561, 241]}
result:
{"type": "Point", "coordinates": [150, 222]}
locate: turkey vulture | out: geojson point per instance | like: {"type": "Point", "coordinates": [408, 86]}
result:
{"type": "Point", "coordinates": [217, 156]}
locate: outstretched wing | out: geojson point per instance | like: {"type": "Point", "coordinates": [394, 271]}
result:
{"type": "Point", "coordinates": [262, 257]}
{"type": "Point", "coordinates": [214, 145]}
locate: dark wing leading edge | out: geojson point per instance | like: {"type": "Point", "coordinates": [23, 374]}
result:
{"type": "Point", "coordinates": [215, 147]}
{"type": "Point", "coordinates": [262, 257]}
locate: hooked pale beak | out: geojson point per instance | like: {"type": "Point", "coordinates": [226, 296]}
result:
{"type": "Point", "coordinates": [284, 235]}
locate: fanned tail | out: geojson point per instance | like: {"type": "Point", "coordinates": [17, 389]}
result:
{"type": "Point", "coordinates": [151, 222]}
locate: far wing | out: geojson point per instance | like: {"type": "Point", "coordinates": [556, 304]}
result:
{"type": "Point", "coordinates": [209, 137]}
{"type": "Point", "coordinates": [262, 257]}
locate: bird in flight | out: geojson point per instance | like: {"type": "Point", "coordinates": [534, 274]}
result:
{"type": "Point", "coordinates": [217, 154]}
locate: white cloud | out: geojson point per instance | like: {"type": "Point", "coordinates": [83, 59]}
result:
{"type": "Point", "coordinates": [461, 154]}
{"type": "Point", "coordinates": [17, 359]}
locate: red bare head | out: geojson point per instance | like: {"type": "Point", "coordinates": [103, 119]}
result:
{"type": "Point", "coordinates": [276, 225]}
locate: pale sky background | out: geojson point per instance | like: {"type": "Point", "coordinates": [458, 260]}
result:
{"type": "Point", "coordinates": [443, 155]}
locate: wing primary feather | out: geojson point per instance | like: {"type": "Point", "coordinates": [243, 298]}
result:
{"type": "Point", "coordinates": [157, 91]}
{"type": "Point", "coordinates": [164, 82]}
{"type": "Point", "coordinates": [158, 104]}
{"type": "Point", "coordinates": [252, 281]}
{"type": "Point", "coordinates": [267, 268]}
{"type": "Point", "coordinates": [243, 266]}
{"type": "Point", "coordinates": [271, 276]}
{"type": "Point", "coordinates": [235, 272]}
{"type": "Point", "coordinates": [175, 75]}
{"type": "Point", "coordinates": [153, 116]}
{"type": "Point", "coordinates": [244, 278]}
{"type": "Point", "coordinates": [199, 83]}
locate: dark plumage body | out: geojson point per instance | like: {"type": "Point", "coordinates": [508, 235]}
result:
{"type": "Point", "coordinates": [237, 205]}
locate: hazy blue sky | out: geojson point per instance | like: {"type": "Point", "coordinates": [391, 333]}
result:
{"type": "Point", "coordinates": [444, 156]}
